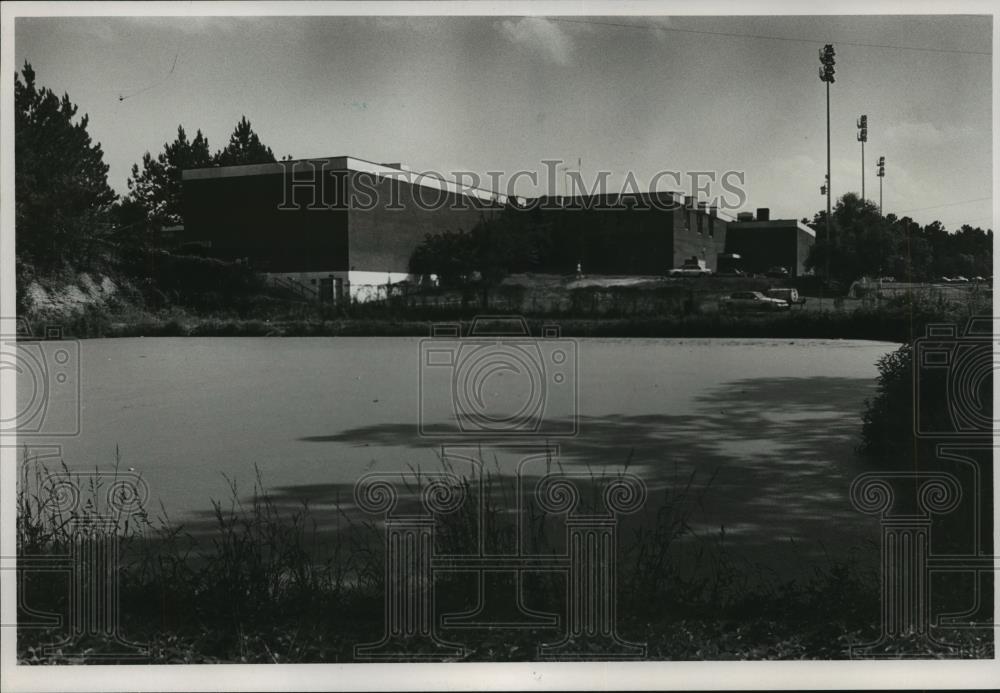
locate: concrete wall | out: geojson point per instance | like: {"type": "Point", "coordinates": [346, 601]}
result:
{"type": "Point", "coordinates": [805, 242]}
{"type": "Point", "coordinates": [373, 286]}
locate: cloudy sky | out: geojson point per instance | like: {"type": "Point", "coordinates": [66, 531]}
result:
{"type": "Point", "coordinates": [502, 93]}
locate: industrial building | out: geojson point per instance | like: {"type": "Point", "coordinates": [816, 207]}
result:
{"type": "Point", "coordinates": [328, 228]}
{"type": "Point", "coordinates": [634, 233]}
{"type": "Point", "coordinates": [341, 228]}
{"type": "Point", "coordinates": [763, 243]}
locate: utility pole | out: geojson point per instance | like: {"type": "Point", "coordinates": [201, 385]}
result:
{"type": "Point", "coordinates": [826, 57]}
{"type": "Point", "coordinates": [881, 175]}
{"type": "Point", "coordinates": [862, 138]}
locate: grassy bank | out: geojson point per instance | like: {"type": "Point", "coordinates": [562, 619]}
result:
{"type": "Point", "coordinates": [266, 581]}
{"type": "Point", "coordinates": [898, 321]}
{"type": "Point", "coordinates": [191, 296]}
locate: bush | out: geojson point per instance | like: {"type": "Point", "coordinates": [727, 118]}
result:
{"type": "Point", "coordinates": [887, 422]}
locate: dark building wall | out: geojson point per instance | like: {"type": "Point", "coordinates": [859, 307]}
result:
{"type": "Point", "coordinates": [372, 224]}
{"type": "Point", "coordinates": [239, 216]}
{"type": "Point", "coordinates": [362, 222]}
{"type": "Point", "coordinates": [389, 218]}
{"type": "Point", "coordinates": [636, 235]}
{"type": "Point", "coordinates": [762, 246]}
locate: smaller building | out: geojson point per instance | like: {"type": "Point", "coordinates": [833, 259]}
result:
{"type": "Point", "coordinates": [629, 233]}
{"type": "Point", "coordinates": [763, 243]}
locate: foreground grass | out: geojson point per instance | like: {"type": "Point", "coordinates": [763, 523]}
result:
{"type": "Point", "coordinates": [264, 584]}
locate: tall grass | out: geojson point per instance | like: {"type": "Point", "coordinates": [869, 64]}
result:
{"type": "Point", "coordinates": [268, 582]}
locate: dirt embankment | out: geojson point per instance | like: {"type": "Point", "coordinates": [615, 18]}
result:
{"type": "Point", "coordinates": [67, 298]}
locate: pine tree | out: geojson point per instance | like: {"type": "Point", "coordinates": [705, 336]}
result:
{"type": "Point", "coordinates": [244, 147]}
{"type": "Point", "coordinates": [156, 188]}
{"type": "Point", "coordinates": [62, 197]}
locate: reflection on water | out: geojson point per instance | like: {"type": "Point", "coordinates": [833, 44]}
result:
{"type": "Point", "coordinates": [775, 420]}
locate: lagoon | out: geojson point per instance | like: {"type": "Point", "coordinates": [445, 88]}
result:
{"type": "Point", "coordinates": [772, 423]}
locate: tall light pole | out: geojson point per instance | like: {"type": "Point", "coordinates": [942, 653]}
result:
{"type": "Point", "coordinates": [881, 175]}
{"type": "Point", "coordinates": [862, 138]}
{"type": "Point", "coordinates": [826, 57]}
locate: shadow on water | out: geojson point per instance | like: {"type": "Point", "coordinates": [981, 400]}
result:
{"type": "Point", "coordinates": [777, 454]}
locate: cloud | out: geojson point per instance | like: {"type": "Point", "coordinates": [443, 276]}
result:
{"type": "Point", "coordinates": [539, 35]}
{"type": "Point", "coordinates": [926, 134]}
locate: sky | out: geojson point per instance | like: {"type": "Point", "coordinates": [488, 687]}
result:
{"type": "Point", "coordinates": [505, 93]}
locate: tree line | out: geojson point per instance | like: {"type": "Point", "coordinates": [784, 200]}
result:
{"type": "Point", "coordinates": [66, 213]}
{"type": "Point", "coordinates": [863, 243]}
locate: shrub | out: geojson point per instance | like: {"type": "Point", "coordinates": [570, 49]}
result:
{"type": "Point", "coordinates": [887, 422]}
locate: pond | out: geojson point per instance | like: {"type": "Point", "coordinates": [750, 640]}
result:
{"type": "Point", "coordinates": [772, 424]}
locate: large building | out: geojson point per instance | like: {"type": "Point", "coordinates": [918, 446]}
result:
{"type": "Point", "coordinates": [344, 227]}
{"type": "Point", "coordinates": [764, 243]}
{"type": "Point", "coordinates": [633, 233]}
{"type": "Point", "coordinates": [327, 228]}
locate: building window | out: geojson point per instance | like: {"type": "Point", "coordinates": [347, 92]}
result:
{"type": "Point", "coordinates": [700, 224]}
{"type": "Point", "coordinates": [711, 227]}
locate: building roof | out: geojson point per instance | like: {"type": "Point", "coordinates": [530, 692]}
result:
{"type": "Point", "coordinates": [771, 224]}
{"type": "Point", "coordinates": [345, 163]}
{"type": "Point", "coordinates": [663, 197]}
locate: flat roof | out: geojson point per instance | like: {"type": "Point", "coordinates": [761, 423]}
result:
{"type": "Point", "coordinates": [678, 197]}
{"type": "Point", "coordinates": [772, 223]}
{"type": "Point", "coordinates": [344, 163]}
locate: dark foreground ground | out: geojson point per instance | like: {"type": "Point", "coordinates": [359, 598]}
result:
{"type": "Point", "coordinates": [263, 586]}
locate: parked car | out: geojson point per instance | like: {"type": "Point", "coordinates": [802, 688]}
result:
{"type": "Point", "coordinates": [777, 272]}
{"type": "Point", "coordinates": [960, 280]}
{"type": "Point", "coordinates": [692, 267]}
{"type": "Point", "coordinates": [789, 296]}
{"type": "Point", "coordinates": [689, 272]}
{"type": "Point", "coordinates": [731, 273]}
{"type": "Point", "coordinates": [753, 300]}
